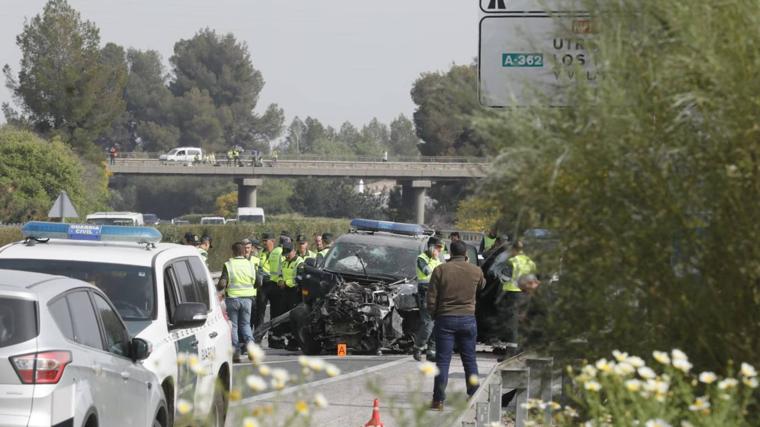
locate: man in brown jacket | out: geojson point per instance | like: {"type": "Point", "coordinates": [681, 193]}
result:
{"type": "Point", "coordinates": [451, 303]}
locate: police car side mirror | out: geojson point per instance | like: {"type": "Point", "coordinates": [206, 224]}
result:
{"type": "Point", "coordinates": [311, 262]}
{"type": "Point", "coordinates": [139, 349]}
{"type": "Point", "coordinates": [190, 315]}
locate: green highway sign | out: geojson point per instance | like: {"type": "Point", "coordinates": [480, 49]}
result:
{"type": "Point", "coordinates": [522, 59]}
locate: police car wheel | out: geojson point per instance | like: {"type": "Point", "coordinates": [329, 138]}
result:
{"type": "Point", "coordinates": [218, 413]}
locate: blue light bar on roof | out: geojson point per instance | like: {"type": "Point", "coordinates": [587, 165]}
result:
{"type": "Point", "coordinates": [387, 226]}
{"type": "Point", "coordinates": [105, 233]}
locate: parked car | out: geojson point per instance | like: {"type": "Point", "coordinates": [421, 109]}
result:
{"type": "Point", "coordinates": [164, 293]}
{"type": "Point", "coordinates": [254, 215]}
{"type": "Point", "coordinates": [115, 218]}
{"type": "Point", "coordinates": [186, 155]}
{"type": "Point", "coordinates": [66, 358]}
{"type": "Point", "coordinates": [212, 220]}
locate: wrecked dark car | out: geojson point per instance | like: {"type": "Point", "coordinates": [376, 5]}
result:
{"type": "Point", "coordinates": [365, 294]}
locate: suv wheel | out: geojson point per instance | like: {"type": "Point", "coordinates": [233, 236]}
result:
{"type": "Point", "coordinates": [218, 413]}
{"type": "Point", "coordinates": [300, 322]}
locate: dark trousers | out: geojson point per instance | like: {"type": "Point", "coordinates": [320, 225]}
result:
{"type": "Point", "coordinates": [461, 331]}
{"type": "Point", "coordinates": [509, 316]}
{"type": "Point", "coordinates": [423, 336]}
{"type": "Point", "coordinates": [282, 300]}
{"type": "Point", "coordinates": [262, 299]}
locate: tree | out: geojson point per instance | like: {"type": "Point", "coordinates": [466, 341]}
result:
{"type": "Point", "coordinates": [446, 106]}
{"type": "Point", "coordinates": [226, 204]}
{"type": "Point", "coordinates": [651, 179]}
{"type": "Point", "coordinates": [334, 198]}
{"type": "Point", "coordinates": [32, 174]}
{"type": "Point", "coordinates": [220, 67]}
{"type": "Point", "coordinates": [403, 140]}
{"type": "Point", "coordinates": [66, 84]}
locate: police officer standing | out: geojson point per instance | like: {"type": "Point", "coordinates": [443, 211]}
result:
{"type": "Point", "coordinates": [518, 266]}
{"type": "Point", "coordinates": [274, 293]}
{"type": "Point", "coordinates": [303, 248]}
{"type": "Point", "coordinates": [204, 247]}
{"type": "Point", "coordinates": [238, 279]}
{"type": "Point", "coordinates": [288, 296]}
{"type": "Point", "coordinates": [267, 285]}
{"type": "Point", "coordinates": [426, 263]}
{"type": "Point", "coordinates": [327, 240]}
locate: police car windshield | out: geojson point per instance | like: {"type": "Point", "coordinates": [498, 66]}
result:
{"type": "Point", "coordinates": [129, 287]}
{"type": "Point", "coordinates": [386, 261]}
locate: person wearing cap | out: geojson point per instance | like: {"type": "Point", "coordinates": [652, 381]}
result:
{"type": "Point", "coordinates": [327, 240]}
{"type": "Point", "coordinates": [426, 264]}
{"type": "Point", "coordinates": [287, 296]}
{"type": "Point", "coordinates": [273, 294]}
{"type": "Point", "coordinates": [303, 250]}
{"type": "Point", "coordinates": [266, 283]}
{"type": "Point", "coordinates": [192, 239]}
{"type": "Point", "coordinates": [238, 281]}
{"type": "Point", "coordinates": [204, 246]}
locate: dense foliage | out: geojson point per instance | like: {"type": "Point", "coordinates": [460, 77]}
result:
{"type": "Point", "coordinates": [652, 179]}
{"type": "Point", "coordinates": [34, 171]}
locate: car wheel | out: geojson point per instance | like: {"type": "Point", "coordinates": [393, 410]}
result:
{"type": "Point", "coordinates": [299, 320]}
{"type": "Point", "coordinates": [218, 414]}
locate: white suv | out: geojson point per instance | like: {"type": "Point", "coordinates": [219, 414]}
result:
{"type": "Point", "coordinates": [164, 293]}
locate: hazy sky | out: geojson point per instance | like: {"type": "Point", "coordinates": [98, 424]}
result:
{"type": "Point", "coordinates": [335, 60]}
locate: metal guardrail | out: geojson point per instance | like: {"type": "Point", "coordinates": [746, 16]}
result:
{"type": "Point", "coordinates": [529, 376]}
{"type": "Point", "coordinates": [222, 157]}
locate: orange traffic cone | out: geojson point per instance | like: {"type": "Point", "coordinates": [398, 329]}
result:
{"type": "Point", "coordinates": [375, 420]}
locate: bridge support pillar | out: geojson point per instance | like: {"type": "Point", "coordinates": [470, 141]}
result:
{"type": "Point", "coordinates": [414, 192]}
{"type": "Point", "coordinates": [247, 191]}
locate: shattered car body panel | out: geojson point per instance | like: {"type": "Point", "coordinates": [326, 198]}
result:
{"type": "Point", "coordinates": [364, 297]}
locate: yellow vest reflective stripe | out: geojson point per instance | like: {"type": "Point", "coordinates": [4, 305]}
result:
{"type": "Point", "coordinates": [241, 276]}
{"type": "Point", "coordinates": [521, 265]}
{"type": "Point", "coordinates": [289, 269]}
{"type": "Point", "coordinates": [275, 264]}
{"type": "Point", "coordinates": [430, 262]}
{"type": "Point", "coordinates": [488, 242]}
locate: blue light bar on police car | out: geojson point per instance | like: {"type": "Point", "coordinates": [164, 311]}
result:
{"type": "Point", "coordinates": [387, 226]}
{"type": "Point", "coordinates": [92, 232]}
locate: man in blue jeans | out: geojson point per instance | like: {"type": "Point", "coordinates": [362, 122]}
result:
{"type": "Point", "coordinates": [238, 280]}
{"type": "Point", "coordinates": [451, 303]}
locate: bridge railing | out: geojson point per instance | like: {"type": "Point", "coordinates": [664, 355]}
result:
{"type": "Point", "coordinates": [248, 157]}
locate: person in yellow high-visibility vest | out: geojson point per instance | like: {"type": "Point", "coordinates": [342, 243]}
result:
{"type": "Point", "coordinates": [238, 280]}
{"type": "Point", "coordinates": [426, 263]}
{"type": "Point", "coordinates": [327, 240]}
{"type": "Point", "coordinates": [518, 265]}
{"type": "Point", "coordinates": [267, 284]}
{"type": "Point", "coordinates": [287, 295]}
{"type": "Point", "coordinates": [488, 240]}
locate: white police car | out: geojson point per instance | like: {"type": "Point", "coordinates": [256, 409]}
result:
{"type": "Point", "coordinates": [164, 293]}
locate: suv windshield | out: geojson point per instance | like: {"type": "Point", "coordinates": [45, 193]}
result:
{"type": "Point", "coordinates": [390, 261]}
{"type": "Point", "coordinates": [129, 287]}
{"type": "Point", "coordinates": [251, 218]}
{"type": "Point", "coordinates": [18, 321]}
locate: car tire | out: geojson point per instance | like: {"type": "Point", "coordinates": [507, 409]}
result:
{"type": "Point", "coordinates": [301, 325]}
{"type": "Point", "coordinates": [161, 419]}
{"type": "Point", "coordinates": [218, 414]}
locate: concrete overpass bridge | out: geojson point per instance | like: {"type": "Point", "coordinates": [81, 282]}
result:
{"type": "Point", "coordinates": [415, 175]}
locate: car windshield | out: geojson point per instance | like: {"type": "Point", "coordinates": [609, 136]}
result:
{"type": "Point", "coordinates": [391, 261]}
{"type": "Point", "coordinates": [129, 287]}
{"type": "Point", "coordinates": [111, 221]}
{"type": "Point", "coordinates": [172, 151]}
{"type": "Point", "coordinates": [18, 321]}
